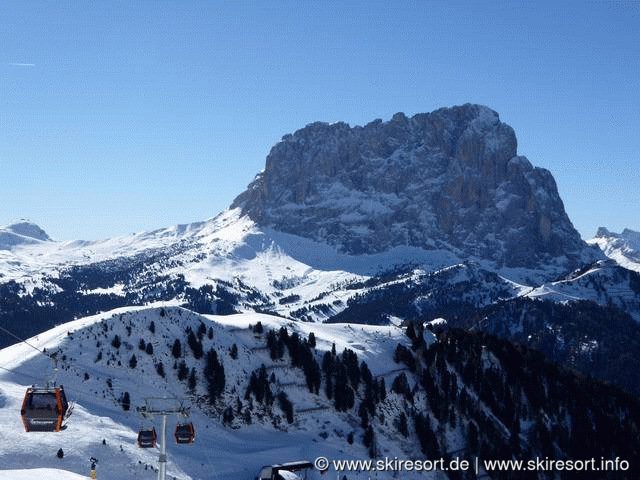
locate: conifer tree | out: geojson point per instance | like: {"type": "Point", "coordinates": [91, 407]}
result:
{"type": "Point", "coordinates": [176, 350]}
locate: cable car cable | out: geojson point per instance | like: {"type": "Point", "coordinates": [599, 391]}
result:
{"type": "Point", "coordinates": [55, 360]}
{"type": "Point", "coordinates": [19, 373]}
{"type": "Point", "coordinates": [24, 341]}
{"type": "Point", "coordinates": [35, 418]}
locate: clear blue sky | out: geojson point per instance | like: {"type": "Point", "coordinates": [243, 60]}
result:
{"type": "Point", "coordinates": [127, 116]}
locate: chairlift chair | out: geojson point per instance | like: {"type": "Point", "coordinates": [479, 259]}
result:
{"type": "Point", "coordinates": [44, 409]}
{"type": "Point", "coordinates": [147, 438]}
{"type": "Point", "coordinates": [185, 433]}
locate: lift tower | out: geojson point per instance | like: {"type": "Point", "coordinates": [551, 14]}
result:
{"type": "Point", "coordinates": [163, 407]}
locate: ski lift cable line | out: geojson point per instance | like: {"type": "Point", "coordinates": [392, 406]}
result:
{"type": "Point", "coordinates": [116, 393]}
{"type": "Point", "coordinates": [19, 373]}
{"type": "Point", "coordinates": [52, 357]}
{"type": "Point", "coordinates": [112, 392]}
{"type": "Point", "coordinates": [25, 342]}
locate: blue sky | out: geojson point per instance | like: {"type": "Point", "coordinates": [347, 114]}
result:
{"type": "Point", "coordinates": [117, 117]}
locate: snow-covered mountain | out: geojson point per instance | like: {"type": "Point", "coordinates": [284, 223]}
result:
{"type": "Point", "coordinates": [264, 390]}
{"type": "Point", "coordinates": [229, 263]}
{"type": "Point", "coordinates": [399, 221]}
{"type": "Point", "coordinates": [623, 247]}
{"type": "Point", "coordinates": [450, 179]}
{"type": "Point", "coordinates": [23, 232]}
{"type": "Point", "coordinates": [97, 371]}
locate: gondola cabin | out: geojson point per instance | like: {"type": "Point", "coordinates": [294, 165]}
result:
{"type": "Point", "coordinates": [44, 409]}
{"type": "Point", "coordinates": [185, 433]}
{"type": "Point", "coordinates": [147, 438]}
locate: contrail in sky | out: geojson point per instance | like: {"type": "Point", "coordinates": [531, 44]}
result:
{"type": "Point", "coordinates": [21, 64]}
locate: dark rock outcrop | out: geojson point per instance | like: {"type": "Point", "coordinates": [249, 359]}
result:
{"type": "Point", "coordinates": [449, 179]}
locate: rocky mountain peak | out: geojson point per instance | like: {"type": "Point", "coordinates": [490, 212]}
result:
{"type": "Point", "coordinates": [623, 247]}
{"type": "Point", "coordinates": [628, 237]}
{"type": "Point", "coordinates": [447, 179]}
{"type": "Point", "coordinates": [603, 232]}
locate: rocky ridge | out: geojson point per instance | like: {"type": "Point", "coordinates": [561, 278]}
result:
{"type": "Point", "coordinates": [623, 247]}
{"type": "Point", "coordinates": [450, 179]}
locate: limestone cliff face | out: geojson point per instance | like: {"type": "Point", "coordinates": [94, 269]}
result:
{"type": "Point", "coordinates": [447, 179]}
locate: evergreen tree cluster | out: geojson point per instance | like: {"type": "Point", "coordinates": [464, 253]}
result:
{"type": "Point", "coordinates": [214, 375]}
{"type": "Point", "coordinates": [561, 331]}
{"type": "Point", "coordinates": [506, 401]}
{"type": "Point", "coordinates": [343, 379]}
{"type": "Point", "coordinates": [286, 406]}
{"type": "Point", "coordinates": [337, 386]}
{"type": "Point", "coordinates": [125, 401]}
{"type": "Point", "coordinates": [176, 350]}
{"type": "Point", "coordinates": [195, 344]}
{"type": "Point", "coordinates": [427, 437]}
{"type": "Point", "coordinates": [259, 386]}
{"type": "Point", "coordinates": [183, 371]}
{"type": "Point", "coordinates": [476, 303]}
{"type": "Point", "coordinates": [301, 353]}
{"type": "Point", "coordinates": [222, 301]}
{"type": "Point", "coordinates": [404, 355]}
{"type": "Point", "coordinates": [212, 371]}
{"type": "Point", "coordinates": [401, 386]}
{"type": "Point", "coordinates": [510, 402]}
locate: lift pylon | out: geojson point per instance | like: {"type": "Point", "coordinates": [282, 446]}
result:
{"type": "Point", "coordinates": [163, 407]}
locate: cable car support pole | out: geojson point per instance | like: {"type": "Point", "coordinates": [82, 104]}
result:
{"type": "Point", "coordinates": [147, 410]}
{"type": "Point", "coordinates": [162, 460]}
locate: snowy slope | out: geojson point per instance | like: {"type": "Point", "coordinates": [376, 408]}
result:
{"type": "Point", "coordinates": [604, 283]}
{"type": "Point", "coordinates": [229, 248]}
{"type": "Point", "coordinates": [48, 473]}
{"type": "Point", "coordinates": [23, 232]}
{"type": "Point", "coordinates": [220, 451]}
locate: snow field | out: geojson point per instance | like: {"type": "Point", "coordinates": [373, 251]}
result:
{"type": "Point", "coordinates": [236, 451]}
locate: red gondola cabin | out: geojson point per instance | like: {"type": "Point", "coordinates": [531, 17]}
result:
{"type": "Point", "coordinates": [44, 409]}
{"type": "Point", "coordinates": [185, 433]}
{"type": "Point", "coordinates": [147, 438]}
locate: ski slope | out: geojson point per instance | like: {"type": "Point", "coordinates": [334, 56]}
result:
{"type": "Point", "coordinates": [100, 428]}
{"type": "Point", "coordinates": [44, 473]}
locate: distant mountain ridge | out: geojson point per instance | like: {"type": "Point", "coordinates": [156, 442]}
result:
{"type": "Point", "coordinates": [399, 221]}
{"type": "Point", "coordinates": [623, 247]}
{"type": "Point", "coordinates": [450, 179]}
{"type": "Point", "coordinates": [23, 232]}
